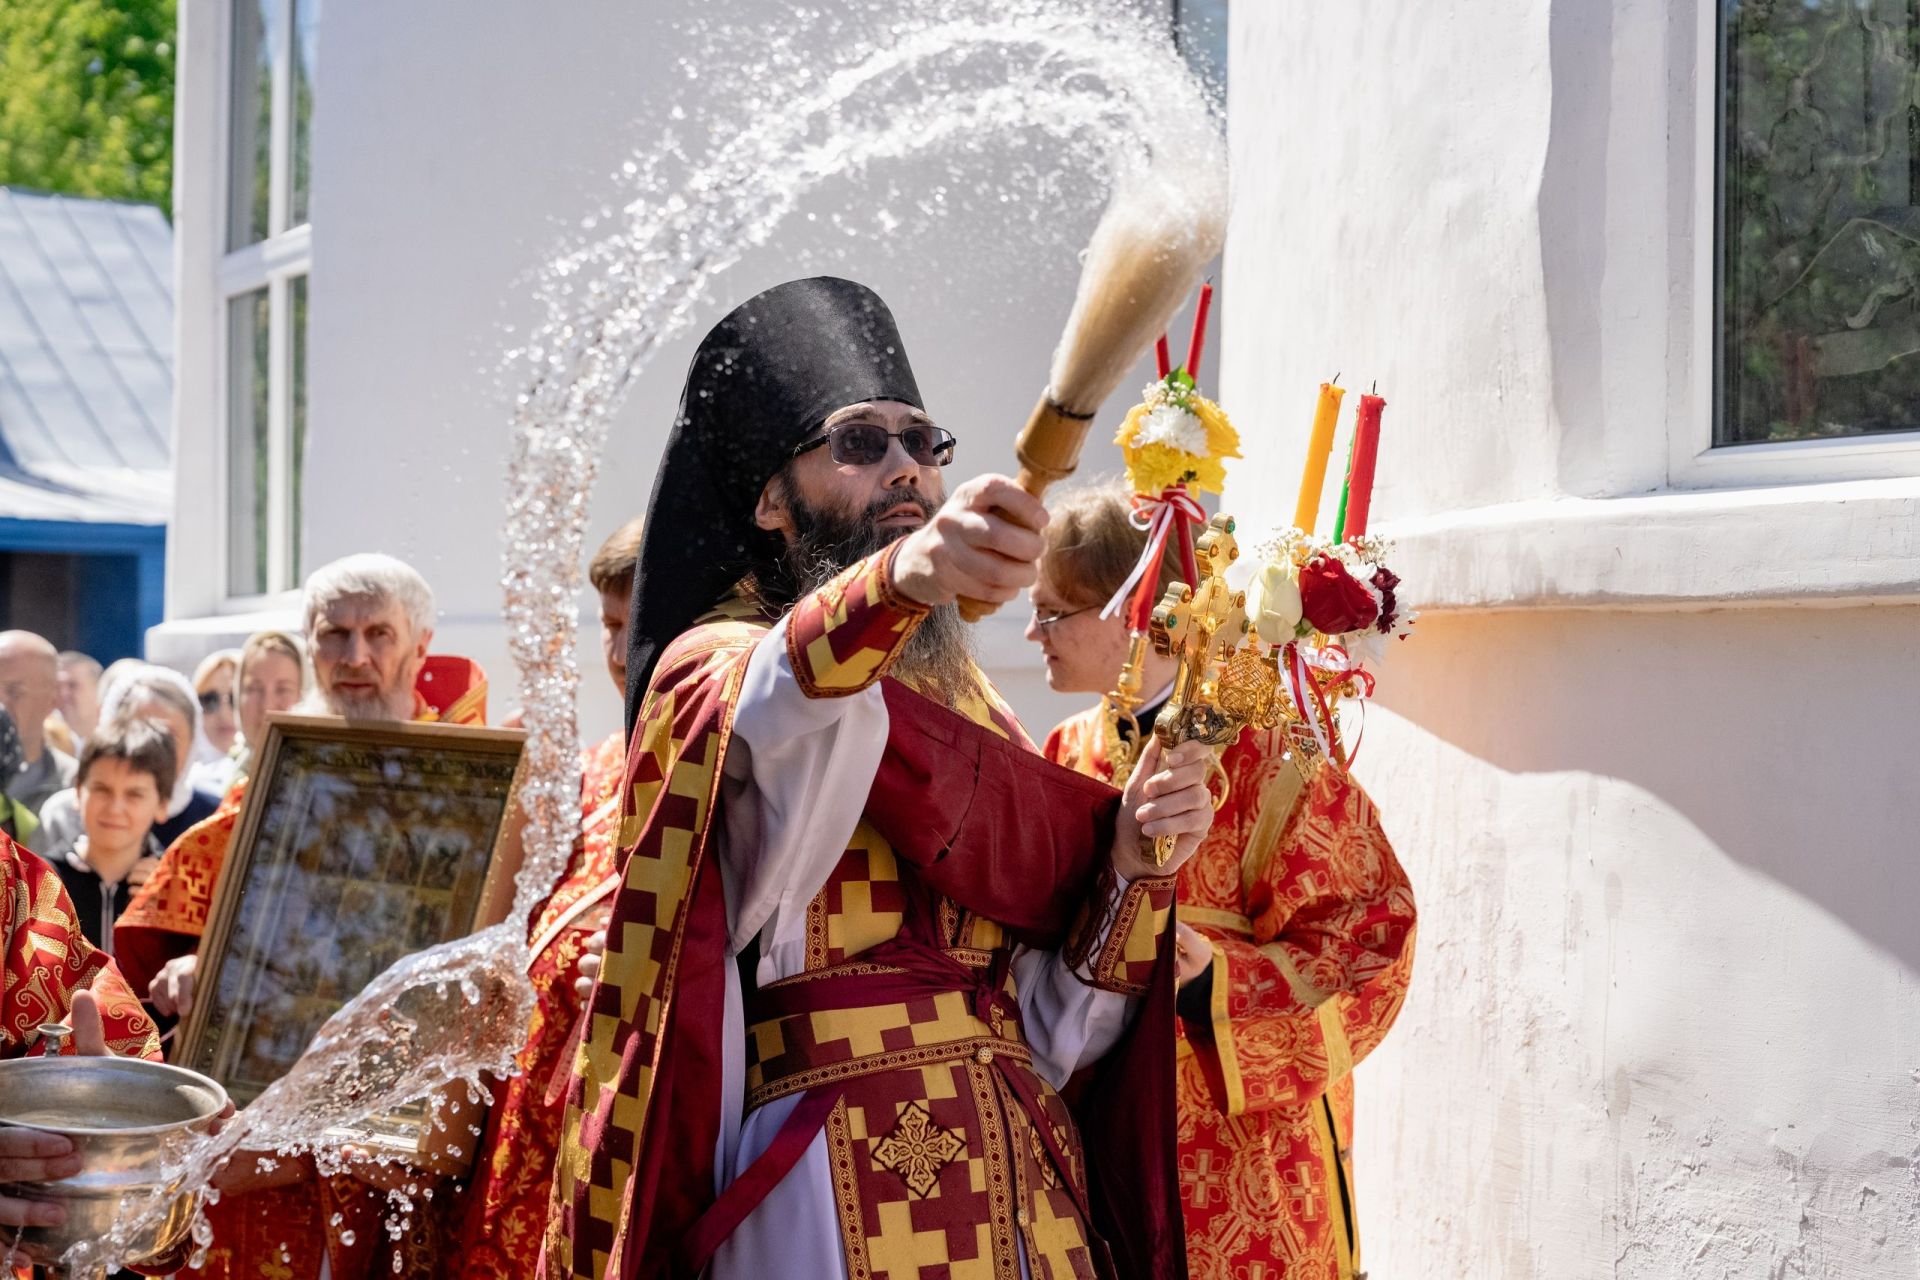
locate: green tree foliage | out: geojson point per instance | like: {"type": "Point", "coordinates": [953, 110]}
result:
{"type": "Point", "coordinates": [86, 97]}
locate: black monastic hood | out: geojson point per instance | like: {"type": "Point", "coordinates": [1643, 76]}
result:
{"type": "Point", "coordinates": [763, 379]}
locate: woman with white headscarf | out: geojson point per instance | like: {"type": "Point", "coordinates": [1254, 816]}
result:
{"type": "Point", "coordinates": [216, 685]}
{"type": "Point", "coordinates": [164, 696]}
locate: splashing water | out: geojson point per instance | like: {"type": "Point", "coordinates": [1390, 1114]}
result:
{"type": "Point", "coordinates": [1107, 86]}
{"type": "Point", "coordinates": [1072, 99]}
{"type": "Point", "coordinates": [443, 1017]}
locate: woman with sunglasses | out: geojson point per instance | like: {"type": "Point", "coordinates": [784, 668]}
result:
{"type": "Point", "coordinates": [213, 680]}
{"type": "Point", "coordinates": [1294, 939]}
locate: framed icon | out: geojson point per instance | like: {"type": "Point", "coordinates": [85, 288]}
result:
{"type": "Point", "coordinates": [357, 843]}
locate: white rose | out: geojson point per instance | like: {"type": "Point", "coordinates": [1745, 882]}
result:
{"type": "Point", "coordinates": [1273, 602]}
{"type": "Point", "coordinates": [1171, 425]}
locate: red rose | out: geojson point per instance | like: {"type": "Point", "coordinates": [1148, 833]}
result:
{"type": "Point", "coordinates": [1332, 600]}
{"type": "Point", "coordinates": [1384, 581]}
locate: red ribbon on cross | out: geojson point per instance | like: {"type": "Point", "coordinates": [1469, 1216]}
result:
{"type": "Point", "coordinates": [1174, 513]}
{"type": "Point", "coordinates": [1310, 675]}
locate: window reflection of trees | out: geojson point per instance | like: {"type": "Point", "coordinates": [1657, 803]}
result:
{"type": "Point", "coordinates": [1820, 179]}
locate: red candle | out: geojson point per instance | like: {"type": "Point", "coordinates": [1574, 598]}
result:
{"type": "Point", "coordinates": [1199, 331]}
{"type": "Point", "coordinates": [1366, 452]}
{"type": "Point", "coordinates": [1162, 359]}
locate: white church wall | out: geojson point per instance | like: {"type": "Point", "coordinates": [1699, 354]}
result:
{"type": "Point", "coordinates": [1665, 1018]}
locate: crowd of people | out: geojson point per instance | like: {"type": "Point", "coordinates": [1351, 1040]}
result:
{"type": "Point", "coordinates": [108, 767]}
{"type": "Point", "coordinates": [846, 976]}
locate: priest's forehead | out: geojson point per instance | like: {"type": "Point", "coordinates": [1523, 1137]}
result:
{"type": "Point", "coordinates": [877, 411]}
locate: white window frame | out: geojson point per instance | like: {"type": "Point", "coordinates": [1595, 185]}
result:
{"type": "Point", "coordinates": [1694, 461]}
{"type": "Point", "coordinates": [273, 264]}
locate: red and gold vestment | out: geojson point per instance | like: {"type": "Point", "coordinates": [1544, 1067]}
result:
{"type": "Point", "coordinates": [47, 958]}
{"type": "Point", "coordinates": [502, 1212]}
{"type": "Point", "coordinates": [895, 1020]}
{"type": "Point", "coordinates": [283, 1233]}
{"type": "Point", "coordinates": [1312, 924]}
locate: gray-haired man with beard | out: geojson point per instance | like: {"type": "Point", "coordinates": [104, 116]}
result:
{"type": "Point", "coordinates": [369, 623]}
{"type": "Point", "coordinates": [865, 931]}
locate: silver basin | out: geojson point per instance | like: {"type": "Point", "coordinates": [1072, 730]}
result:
{"type": "Point", "coordinates": [126, 1118]}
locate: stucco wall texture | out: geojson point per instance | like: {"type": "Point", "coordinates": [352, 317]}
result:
{"type": "Point", "coordinates": [1665, 1018]}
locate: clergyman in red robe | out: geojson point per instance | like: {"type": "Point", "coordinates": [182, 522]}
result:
{"type": "Point", "coordinates": [500, 1216]}
{"type": "Point", "coordinates": [864, 933]}
{"type": "Point", "coordinates": [1296, 931]}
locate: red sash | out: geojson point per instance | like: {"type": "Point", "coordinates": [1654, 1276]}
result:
{"type": "Point", "coordinates": [914, 970]}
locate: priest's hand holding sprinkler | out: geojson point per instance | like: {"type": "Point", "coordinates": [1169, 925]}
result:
{"type": "Point", "coordinates": [1144, 258]}
{"type": "Point", "coordinates": [1150, 247]}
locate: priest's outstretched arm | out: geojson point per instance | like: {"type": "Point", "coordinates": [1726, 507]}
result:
{"type": "Point", "coordinates": [813, 724]}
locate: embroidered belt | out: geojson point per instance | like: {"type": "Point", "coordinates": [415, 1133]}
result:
{"type": "Point", "coordinates": [912, 1016]}
{"type": "Point", "coordinates": [919, 1005]}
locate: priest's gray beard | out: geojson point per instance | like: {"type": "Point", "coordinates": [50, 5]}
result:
{"type": "Point", "coordinates": [938, 657]}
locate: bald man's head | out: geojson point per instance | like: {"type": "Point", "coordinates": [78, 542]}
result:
{"type": "Point", "coordinates": [29, 671]}
{"type": "Point", "coordinates": [26, 642]}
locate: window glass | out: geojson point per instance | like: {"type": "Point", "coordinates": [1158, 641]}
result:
{"type": "Point", "coordinates": [1818, 328]}
{"type": "Point", "coordinates": [296, 420]}
{"type": "Point", "coordinates": [247, 358]}
{"type": "Point", "coordinates": [250, 158]}
{"type": "Point", "coordinates": [306, 42]}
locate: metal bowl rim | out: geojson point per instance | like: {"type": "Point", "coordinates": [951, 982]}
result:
{"type": "Point", "coordinates": [184, 1075]}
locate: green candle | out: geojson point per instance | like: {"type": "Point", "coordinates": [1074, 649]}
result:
{"type": "Point", "coordinates": [1346, 485]}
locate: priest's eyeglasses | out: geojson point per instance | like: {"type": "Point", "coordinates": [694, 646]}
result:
{"type": "Point", "coordinates": [861, 444]}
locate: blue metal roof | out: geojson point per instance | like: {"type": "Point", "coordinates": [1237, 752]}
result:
{"type": "Point", "coordinates": [86, 359]}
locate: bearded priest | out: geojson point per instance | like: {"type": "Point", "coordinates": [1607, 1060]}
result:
{"type": "Point", "coordinates": [865, 933]}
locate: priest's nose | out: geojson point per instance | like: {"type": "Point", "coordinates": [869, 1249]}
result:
{"type": "Point", "coordinates": [899, 466]}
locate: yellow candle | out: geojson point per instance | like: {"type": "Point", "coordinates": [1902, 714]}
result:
{"type": "Point", "coordinates": [1319, 449]}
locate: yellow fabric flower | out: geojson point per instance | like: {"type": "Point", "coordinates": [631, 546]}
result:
{"type": "Point", "coordinates": [1151, 441]}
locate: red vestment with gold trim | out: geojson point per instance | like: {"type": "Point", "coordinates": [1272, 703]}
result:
{"type": "Point", "coordinates": [1312, 924]}
{"type": "Point", "coordinates": [282, 1233]}
{"type": "Point", "coordinates": [502, 1212]}
{"type": "Point", "coordinates": [47, 958]}
{"type": "Point", "coordinates": [899, 1031]}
